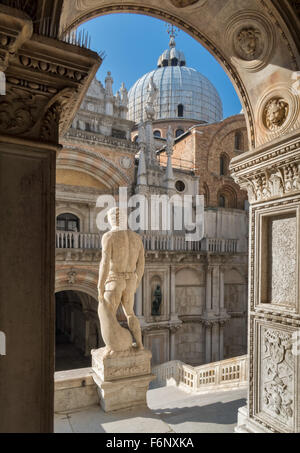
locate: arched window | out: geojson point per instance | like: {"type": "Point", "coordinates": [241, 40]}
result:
{"type": "Point", "coordinates": [179, 132]}
{"type": "Point", "coordinates": [227, 197]}
{"type": "Point", "coordinates": [238, 141]}
{"type": "Point", "coordinates": [68, 222]}
{"type": "Point", "coordinates": [136, 139]}
{"type": "Point", "coordinates": [157, 134]}
{"type": "Point", "coordinates": [180, 111]}
{"type": "Point", "coordinates": [174, 62]}
{"type": "Point", "coordinates": [224, 161]}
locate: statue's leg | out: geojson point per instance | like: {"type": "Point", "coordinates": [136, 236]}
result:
{"type": "Point", "coordinates": [128, 304]}
{"type": "Point", "coordinates": [115, 337]}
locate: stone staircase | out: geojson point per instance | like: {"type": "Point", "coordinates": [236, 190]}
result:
{"type": "Point", "coordinates": [227, 374]}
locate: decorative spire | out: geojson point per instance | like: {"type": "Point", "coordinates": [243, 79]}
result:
{"type": "Point", "coordinates": [169, 175]}
{"type": "Point", "coordinates": [124, 95]}
{"type": "Point", "coordinates": [108, 85]}
{"type": "Point", "coordinates": [142, 170]}
{"type": "Point", "coordinates": [151, 99]}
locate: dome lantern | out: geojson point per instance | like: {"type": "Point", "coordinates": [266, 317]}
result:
{"type": "Point", "coordinates": [183, 92]}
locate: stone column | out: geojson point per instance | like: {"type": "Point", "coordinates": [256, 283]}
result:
{"type": "Point", "coordinates": [222, 290]}
{"type": "Point", "coordinates": [46, 80]}
{"type": "Point", "coordinates": [221, 341]}
{"type": "Point", "coordinates": [216, 290]}
{"type": "Point", "coordinates": [208, 295]}
{"type": "Point", "coordinates": [208, 345]}
{"type": "Point", "coordinates": [215, 342]}
{"type": "Point", "coordinates": [272, 179]}
{"type": "Point", "coordinates": [173, 344]}
{"type": "Point", "coordinates": [174, 315]}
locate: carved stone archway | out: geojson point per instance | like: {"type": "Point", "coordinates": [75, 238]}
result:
{"type": "Point", "coordinates": [46, 79]}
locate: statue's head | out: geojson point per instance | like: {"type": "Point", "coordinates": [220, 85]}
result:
{"type": "Point", "coordinates": [117, 218]}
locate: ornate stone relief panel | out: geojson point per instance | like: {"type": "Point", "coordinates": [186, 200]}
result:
{"type": "Point", "coordinates": [275, 377]}
{"type": "Point", "coordinates": [276, 258]}
{"type": "Point", "coordinates": [251, 39]}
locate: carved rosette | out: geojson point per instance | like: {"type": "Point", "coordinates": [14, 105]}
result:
{"type": "Point", "coordinates": [251, 39]}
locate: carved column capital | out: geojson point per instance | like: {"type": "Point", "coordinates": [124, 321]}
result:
{"type": "Point", "coordinates": [269, 173]}
{"type": "Point", "coordinates": [46, 80]}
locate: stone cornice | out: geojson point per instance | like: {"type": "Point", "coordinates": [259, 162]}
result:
{"type": "Point", "coordinates": [46, 80]}
{"type": "Point", "coordinates": [270, 172]}
{"type": "Point", "coordinates": [95, 138]}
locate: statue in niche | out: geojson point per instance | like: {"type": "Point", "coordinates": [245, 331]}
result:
{"type": "Point", "coordinates": [121, 272]}
{"type": "Point", "coordinates": [156, 303]}
{"type": "Point", "coordinates": [248, 42]}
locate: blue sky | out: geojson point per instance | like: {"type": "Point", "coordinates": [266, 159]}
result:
{"type": "Point", "coordinates": [132, 44]}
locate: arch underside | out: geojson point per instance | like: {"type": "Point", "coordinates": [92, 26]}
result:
{"type": "Point", "coordinates": [214, 26]}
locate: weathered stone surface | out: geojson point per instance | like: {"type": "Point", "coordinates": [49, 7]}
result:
{"type": "Point", "coordinates": [122, 380]}
{"type": "Point", "coordinates": [122, 365]}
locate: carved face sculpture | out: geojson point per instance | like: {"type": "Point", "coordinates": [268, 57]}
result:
{"type": "Point", "coordinates": [276, 112]}
{"type": "Point", "coordinates": [248, 42]}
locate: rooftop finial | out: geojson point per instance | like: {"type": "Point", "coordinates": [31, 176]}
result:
{"type": "Point", "coordinates": [172, 32]}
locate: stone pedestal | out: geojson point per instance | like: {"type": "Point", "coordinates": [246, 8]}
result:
{"type": "Point", "coordinates": [122, 379]}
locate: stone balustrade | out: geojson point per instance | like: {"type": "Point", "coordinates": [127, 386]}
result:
{"type": "Point", "coordinates": [227, 374]}
{"type": "Point", "coordinates": [73, 240]}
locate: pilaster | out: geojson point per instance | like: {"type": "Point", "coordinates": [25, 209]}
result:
{"type": "Point", "coordinates": [271, 176]}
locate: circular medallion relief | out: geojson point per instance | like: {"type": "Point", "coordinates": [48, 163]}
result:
{"type": "Point", "coordinates": [275, 114]}
{"type": "Point", "coordinates": [126, 162]}
{"type": "Point", "coordinates": [248, 43]}
{"type": "Point", "coordinates": [251, 39]}
{"type": "Point", "coordinates": [278, 112]}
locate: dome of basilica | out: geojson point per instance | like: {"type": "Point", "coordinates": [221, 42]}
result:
{"type": "Point", "coordinates": [183, 92]}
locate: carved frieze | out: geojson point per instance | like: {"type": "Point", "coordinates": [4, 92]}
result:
{"type": "Point", "coordinates": [273, 183]}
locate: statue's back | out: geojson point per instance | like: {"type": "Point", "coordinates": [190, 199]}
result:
{"type": "Point", "coordinates": [126, 247]}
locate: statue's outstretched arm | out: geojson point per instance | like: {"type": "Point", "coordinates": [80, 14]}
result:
{"type": "Point", "coordinates": [140, 267]}
{"type": "Point", "coordinates": [104, 265]}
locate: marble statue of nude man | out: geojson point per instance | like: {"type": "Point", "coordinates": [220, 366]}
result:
{"type": "Point", "coordinates": [121, 271]}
